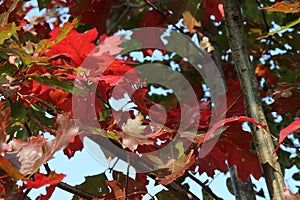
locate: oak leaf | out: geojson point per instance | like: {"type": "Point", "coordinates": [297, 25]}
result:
{"type": "Point", "coordinates": [37, 150]}
{"type": "Point", "coordinates": [41, 180]}
{"type": "Point", "coordinates": [291, 128]}
{"type": "Point", "coordinates": [284, 7]}
{"type": "Point", "coordinates": [75, 45]}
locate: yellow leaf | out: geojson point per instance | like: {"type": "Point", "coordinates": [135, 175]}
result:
{"type": "Point", "coordinates": [9, 169]}
{"type": "Point", "coordinates": [190, 22]}
{"type": "Point", "coordinates": [284, 7]}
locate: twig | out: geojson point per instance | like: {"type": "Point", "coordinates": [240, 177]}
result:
{"type": "Point", "coordinates": [126, 180]}
{"type": "Point", "coordinates": [69, 188]}
{"type": "Point", "coordinates": [205, 187]}
{"type": "Point", "coordinates": [242, 190]}
{"type": "Point", "coordinates": [129, 4]}
{"type": "Point", "coordinates": [26, 192]}
{"type": "Point", "coordinates": [266, 24]}
{"type": "Point", "coordinates": [118, 20]}
{"type": "Point", "coordinates": [161, 14]}
{"type": "Point", "coordinates": [156, 9]}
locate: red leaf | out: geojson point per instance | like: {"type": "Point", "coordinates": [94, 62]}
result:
{"type": "Point", "coordinates": [229, 120]}
{"type": "Point", "coordinates": [75, 45]}
{"type": "Point", "coordinates": [152, 19]}
{"type": "Point", "coordinates": [292, 127]}
{"type": "Point", "coordinates": [213, 7]}
{"type": "Point", "coordinates": [32, 90]}
{"type": "Point", "coordinates": [212, 161]}
{"type": "Point", "coordinates": [75, 145]}
{"type": "Point", "coordinates": [234, 99]}
{"type": "Point", "coordinates": [58, 96]}
{"type": "Point", "coordinates": [236, 145]}
{"type": "Point", "coordinates": [233, 146]}
{"type": "Point", "coordinates": [286, 100]}
{"type": "Point", "coordinates": [49, 191]}
{"type": "Point", "coordinates": [117, 192]}
{"type": "Point", "coordinates": [41, 180]}
{"type": "Point", "coordinates": [95, 12]}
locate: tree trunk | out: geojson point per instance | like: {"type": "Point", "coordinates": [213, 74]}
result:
{"type": "Point", "coordinates": [263, 142]}
{"type": "Point", "coordinates": [242, 191]}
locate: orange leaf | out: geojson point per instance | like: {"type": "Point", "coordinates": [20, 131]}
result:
{"type": "Point", "coordinates": [58, 96]}
{"type": "Point", "coordinates": [41, 180]}
{"type": "Point", "coordinates": [190, 22]}
{"type": "Point", "coordinates": [284, 7]}
{"type": "Point", "coordinates": [9, 169]}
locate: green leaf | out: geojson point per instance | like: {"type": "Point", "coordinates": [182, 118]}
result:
{"type": "Point", "coordinates": [64, 85]}
{"type": "Point", "coordinates": [44, 4]}
{"type": "Point", "coordinates": [283, 28]}
{"type": "Point", "coordinates": [104, 114]}
{"type": "Point", "coordinates": [7, 31]}
{"type": "Point", "coordinates": [95, 185]}
{"type": "Point", "coordinates": [171, 194]}
{"type": "Point", "coordinates": [6, 72]}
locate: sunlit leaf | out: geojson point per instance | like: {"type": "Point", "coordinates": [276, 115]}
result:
{"type": "Point", "coordinates": [10, 169]}
{"type": "Point", "coordinates": [7, 31]}
{"type": "Point", "coordinates": [292, 127]}
{"type": "Point", "coordinates": [284, 7]}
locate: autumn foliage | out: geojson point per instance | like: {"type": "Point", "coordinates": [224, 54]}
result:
{"type": "Point", "coordinates": [41, 61]}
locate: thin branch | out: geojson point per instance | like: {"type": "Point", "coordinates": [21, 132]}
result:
{"type": "Point", "coordinates": [156, 9]}
{"type": "Point", "coordinates": [129, 4]}
{"type": "Point", "coordinates": [242, 190]}
{"type": "Point", "coordinates": [266, 24]}
{"type": "Point", "coordinates": [28, 128]}
{"type": "Point", "coordinates": [126, 180]}
{"type": "Point", "coordinates": [178, 187]}
{"type": "Point", "coordinates": [161, 14]}
{"type": "Point", "coordinates": [26, 192]}
{"type": "Point", "coordinates": [71, 189]}
{"type": "Point", "coordinates": [205, 187]}
{"type": "Point", "coordinates": [119, 20]}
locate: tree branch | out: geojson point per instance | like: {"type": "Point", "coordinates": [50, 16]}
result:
{"type": "Point", "coordinates": [205, 187]}
{"type": "Point", "coordinates": [161, 14]}
{"type": "Point", "coordinates": [71, 189]}
{"type": "Point", "coordinates": [241, 190]}
{"type": "Point", "coordinates": [263, 142]}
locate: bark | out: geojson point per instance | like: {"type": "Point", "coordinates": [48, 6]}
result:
{"type": "Point", "coordinates": [242, 191]}
{"type": "Point", "coordinates": [263, 142]}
